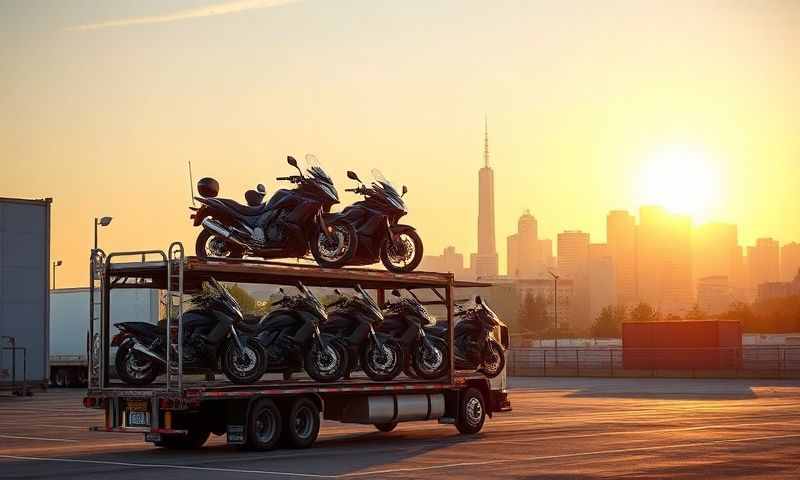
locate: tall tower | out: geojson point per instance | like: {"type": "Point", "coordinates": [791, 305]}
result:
{"type": "Point", "coordinates": [484, 263]}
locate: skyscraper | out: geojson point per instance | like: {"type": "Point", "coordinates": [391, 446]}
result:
{"type": "Point", "coordinates": [621, 235]}
{"type": "Point", "coordinates": [524, 250]}
{"type": "Point", "coordinates": [573, 263]}
{"type": "Point", "coordinates": [484, 263]}
{"type": "Point", "coordinates": [763, 262]}
{"type": "Point", "coordinates": [790, 261]}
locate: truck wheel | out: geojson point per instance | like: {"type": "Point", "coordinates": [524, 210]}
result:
{"type": "Point", "coordinates": [194, 439]}
{"type": "Point", "coordinates": [386, 427]}
{"type": "Point", "coordinates": [264, 425]}
{"type": "Point", "coordinates": [301, 425]}
{"type": "Point", "coordinates": [471, 412]}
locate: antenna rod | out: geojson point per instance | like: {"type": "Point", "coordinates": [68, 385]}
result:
{"type": "Point", "coordinates": [191, 183]}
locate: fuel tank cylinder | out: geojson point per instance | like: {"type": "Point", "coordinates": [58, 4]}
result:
{"type": "Point", "coordinates": [394, 408]}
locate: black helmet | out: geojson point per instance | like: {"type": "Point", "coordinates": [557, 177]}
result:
{"type": "Point", "coordinates": [208, 187]}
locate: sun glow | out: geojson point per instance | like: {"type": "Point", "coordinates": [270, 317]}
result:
{"type": "Point", "coordinates": [680, 179]}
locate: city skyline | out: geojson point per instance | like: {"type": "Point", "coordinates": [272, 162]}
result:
{"type": "Point", "coordinates": [402, 89]}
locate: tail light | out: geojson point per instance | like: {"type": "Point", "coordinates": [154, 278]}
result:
{"type": "Point", "coordinates": [117, 340]}
{"type": "Point", "coordinates": [93, 402]}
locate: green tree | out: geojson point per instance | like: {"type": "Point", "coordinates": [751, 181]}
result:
{"type": "Point", "coordinates": [608, 323]}
{"type": "Point", "coordinates": [533, 313]}
{"type": "Point", "coordinates": [695, 313]}
{"type": "Point", "coordinates": [643, 313]}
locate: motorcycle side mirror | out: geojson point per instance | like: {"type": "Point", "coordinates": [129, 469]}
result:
{"type": "Point", "coordinates": [352, 176]}
{"type": "Point", "coordinates": [479, 300]}
{"type": "Point", "coordinates": [281, 290]}
{"type": "Point", "coordinates": [396, 292]}
{"type": "Point", "coordinates": [337, 291]}
{"type": "Point", "coordinates": [293, 162]}
{"type": "Point", "coordinates": [405, 190]}
{"type": "Point", "coordinates": [261, 188]}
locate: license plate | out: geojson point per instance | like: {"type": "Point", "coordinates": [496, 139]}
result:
{"type": "Point", "coordinates": [138, 419]}
{"type": "Point", "coordinates": [152, 437]}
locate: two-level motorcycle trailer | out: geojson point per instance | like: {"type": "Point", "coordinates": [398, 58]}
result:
{"type": "Point", "coordinates": [181, 411]}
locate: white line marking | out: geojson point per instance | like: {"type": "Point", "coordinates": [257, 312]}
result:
{"type": "Point", "coordinates": [39, 438]}
{"type": "Point", "coordinates": [178, 467]}
{"type": "Point", "coordinates": [568, 455]}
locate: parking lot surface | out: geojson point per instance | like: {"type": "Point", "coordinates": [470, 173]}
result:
{"type": "Point", "coordinates": [560, 428]}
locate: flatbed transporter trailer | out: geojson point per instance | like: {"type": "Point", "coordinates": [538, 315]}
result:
{"type": "Point", "coordinates": [180, 413]}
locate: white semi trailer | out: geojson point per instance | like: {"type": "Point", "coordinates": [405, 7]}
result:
{"type": "Point", "coordinates": [69, 309]}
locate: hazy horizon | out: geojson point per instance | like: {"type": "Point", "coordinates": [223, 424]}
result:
{"type": "Point", "coordinates": [591, 107]}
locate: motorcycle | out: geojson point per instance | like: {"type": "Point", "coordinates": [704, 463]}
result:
{"type": "Point", "coordinates": [380, 236]}
{"type": "Point", "coordinates": [292, 327]}
{"type": "Point", "coordinates": [291, 223]}
{"type": "Point", "coordinates": [406, 320]}
{"type": "Point", "coordinates": [214, 333]}
{"type": "Point", "coordinates": [476, 347]}
{"type": "Point", "coordinates": [353, 319]}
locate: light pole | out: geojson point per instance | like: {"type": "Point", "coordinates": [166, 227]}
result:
{"type": "Point", "coordinates": [100, 222]}
{"type": "Point", "coordinates": [555, 309]}
{"type": "Point", "coordinates": [57, 263]}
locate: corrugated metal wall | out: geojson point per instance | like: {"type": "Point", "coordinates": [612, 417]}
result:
{"type": "Point", "coordinates": [24, 278]}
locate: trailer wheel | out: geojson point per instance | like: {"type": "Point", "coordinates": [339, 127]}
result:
{"type": "Point", "coordinates": [194, 439]}
{"type": "Point", "coordinates": [301, 425]}
{"type": "Point", "coordinates": [386, 427]}
{"type": "Point", "coordinates": [471, 412]}
{"type": "Point", "coordinates": [264, 425]}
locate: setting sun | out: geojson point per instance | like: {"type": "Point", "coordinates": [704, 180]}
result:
{"type": "Point", "coordinates": [681, 179]}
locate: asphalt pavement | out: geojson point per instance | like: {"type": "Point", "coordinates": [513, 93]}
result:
{"type": "Point", "coordinates": [560, 428]}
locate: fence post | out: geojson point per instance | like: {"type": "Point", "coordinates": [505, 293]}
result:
{"type": "Point", "coordinates": [544, 362]}
{"type": "Point", "coordinates": [611, 359]}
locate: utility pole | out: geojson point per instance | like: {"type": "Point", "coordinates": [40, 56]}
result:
{"type": "Point", "coordinates": [57, 263]}
{"type": "Point", "coordinates": [555, 309]}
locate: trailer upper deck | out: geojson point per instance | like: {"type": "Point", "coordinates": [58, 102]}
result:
{"type": "Point", "coordinates": [196, 270]}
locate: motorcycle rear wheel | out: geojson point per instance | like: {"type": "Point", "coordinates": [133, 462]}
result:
{"type": "Point", "coordinates": [211, 245]}
{"type": "Point", "coordinates": [401, 260]}
{"type": "Point", "coordinates": [135, 368]}
{"type": "Point", "coordinates": [336, 252]}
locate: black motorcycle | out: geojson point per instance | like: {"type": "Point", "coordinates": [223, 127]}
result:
{"type": "Point", "coordinates": [290, 332]}
{"type": "Point", "coordinates": [476, 345]}
{"type": "Point", "coordinates": [406, 320]}
{"type": "Point", "coordinates": [354, 319]}
{"type": "Point", "coordinates": [287, 226]}
{"type": "Point", "coordinates": [214, 333]}
{"type": "Point", "coordinates": [376, 218]}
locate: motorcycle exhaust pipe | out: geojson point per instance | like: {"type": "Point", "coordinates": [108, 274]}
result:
{"type": "Point", "coordinates": [142, 349]}
{"type": "Point", "coordinates": [220, 230]}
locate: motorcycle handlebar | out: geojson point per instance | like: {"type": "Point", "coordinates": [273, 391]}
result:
{"type": "Point", "coordinates": [354, 190]}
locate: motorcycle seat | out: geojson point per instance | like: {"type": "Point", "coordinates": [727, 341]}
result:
{"type": "Point", "coordinates": [244, 210]}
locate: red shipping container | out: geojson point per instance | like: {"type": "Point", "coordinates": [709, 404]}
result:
{"type": "Point", "coordinates": [682, 345]}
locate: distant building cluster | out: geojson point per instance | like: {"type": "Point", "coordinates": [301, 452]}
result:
{"type": "Point", "coordinates": [663, 260]}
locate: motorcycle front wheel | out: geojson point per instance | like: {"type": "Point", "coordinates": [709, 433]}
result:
{"type": "Point", "coordinates": [209, 245]}
{"type": "Point", "coordinates": [337, 248]}
{"type": "Point", "coordinates": [326, 364]}
{"type": "Point", "coordinates": [404, 254]}
{"type": "Point", "coordinates": [244, 366]}
{"type": "Point", "coordinates": [431, 363]}
{"type": "Point", "coordinates": [384, 364]}
{"type": "Point", "coordinates": [135, 368]}
{"type": "Point", "coordinates": [494, 360]}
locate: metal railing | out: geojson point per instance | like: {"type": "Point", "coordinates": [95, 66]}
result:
{"type": "Point", "coordinates": [752, 361]}
{"type": "Point", "coordinates": [17, 389]}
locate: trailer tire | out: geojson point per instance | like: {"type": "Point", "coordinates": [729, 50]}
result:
{"type": "Point", "coordinates": [264, 425]}
{"type": "Point", "coordinates": [301, 423]}
{"type": "Point", "coordinates": [386, 427]}
{"type": "Point", "coordinates": [193, 440]}
{"type": "Point", "coordinates": [471, 411]}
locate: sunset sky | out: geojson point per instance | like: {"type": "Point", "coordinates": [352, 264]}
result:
{"type": "Point", "coordinates": [592, 106]}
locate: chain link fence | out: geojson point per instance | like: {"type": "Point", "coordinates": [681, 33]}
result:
{"type": "Point", "coordinates": [755, 361]}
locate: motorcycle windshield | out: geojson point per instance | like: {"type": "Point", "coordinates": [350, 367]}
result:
{"type": "Point", "coordinates": [490, 315]}
{"type": "Point", "coordinates": [223, 295]}
{"type": "Point", "coordinates": [313, 301]}
{"type": "Point", "coordinates": [387, 191]}
{"type": "Point", "coordinates": [320, 178]}
{"type": "Point", "coordinates": [370, 303]}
